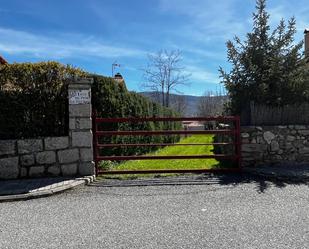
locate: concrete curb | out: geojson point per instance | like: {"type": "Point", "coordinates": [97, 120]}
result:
{"type": "Point", "coordinates": [44, 193]}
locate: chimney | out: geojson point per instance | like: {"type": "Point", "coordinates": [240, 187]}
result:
{"type": "Point", "coordinates": [118, 78]}
{"type": "Point", "coordinates": [306, 32]}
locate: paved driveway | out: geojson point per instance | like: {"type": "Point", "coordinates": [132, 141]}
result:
{"type": "Point", "coordinates": [228, 212]}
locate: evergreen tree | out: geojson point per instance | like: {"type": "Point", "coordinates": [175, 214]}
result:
{"type": "Point", "coordinates": [267, 67]}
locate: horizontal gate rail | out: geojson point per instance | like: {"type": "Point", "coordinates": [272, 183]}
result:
{"type": "Point", "coordinates": [159, 119]}
{"type": "Point", "coordinates": [158, 145]}
{"type": "Point", "coordinates": [120, 158]}
{"type": "Point", "coordinates": [137, 133]}
{"type": "Point", "coordinates": [233, 131]}
{"type": "Point", "coordinates": [158, 171]}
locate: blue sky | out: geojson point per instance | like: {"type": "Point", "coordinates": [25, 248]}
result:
{"type": "Point", "coordinates": [92, 34]}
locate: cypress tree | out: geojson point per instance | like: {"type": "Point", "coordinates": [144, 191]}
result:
{"type": "Point", "coordinates": [268, 67]}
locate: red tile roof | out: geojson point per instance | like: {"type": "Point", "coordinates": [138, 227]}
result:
{"type": "Point", "coordinates": [2, 60]}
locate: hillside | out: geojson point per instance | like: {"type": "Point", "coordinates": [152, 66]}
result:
{"type": "Point", "coordinates": [191, 102]}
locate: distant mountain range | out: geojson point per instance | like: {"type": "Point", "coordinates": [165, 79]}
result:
{"type": "Point", "coordinates": [191, 102]}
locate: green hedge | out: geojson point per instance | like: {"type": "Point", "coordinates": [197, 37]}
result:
{"type": "Point", "coordinates": [34, 103]}
{"type": "Point", "coordinates": [112, 99]}
{"type": "Point", "coordinates": [33, 99]}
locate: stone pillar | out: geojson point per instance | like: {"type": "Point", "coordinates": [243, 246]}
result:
{"type": "Point", "coordinates": [80, 124]}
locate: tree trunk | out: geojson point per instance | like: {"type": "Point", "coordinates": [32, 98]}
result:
{"type": "Point", "coordinates": [163, 95]}
{"type": "Point", "coordinates": [168, 98]}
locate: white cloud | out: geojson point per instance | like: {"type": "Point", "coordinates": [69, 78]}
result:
{"type": "Point", "coordinates": [201, 75]}
{"type": "Point", "coordinates": [60, 46]}
{"type": "Point", "coordinates": [207, 20]}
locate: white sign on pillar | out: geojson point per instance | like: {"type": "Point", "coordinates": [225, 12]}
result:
{"type": "Point", "coordinates": [78, 97]}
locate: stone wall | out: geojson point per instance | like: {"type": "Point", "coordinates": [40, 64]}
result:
{"type": "Point", "coordinates": [53, 156]}
{"type": "Point", "coordinates": [49, 156]}
{"type": "Point", "coordinates": [275, 145]}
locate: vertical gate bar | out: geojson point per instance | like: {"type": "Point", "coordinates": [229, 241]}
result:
{"type": "Point", "coordinates": [94, 140]}
{"type": "Point", "coordinates": [238, 140]}
{"type": "Point", "coordinates": [235, 138]}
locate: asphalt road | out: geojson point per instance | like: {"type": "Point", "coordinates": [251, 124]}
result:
{"type": "Point", "coordinates": [218, 213]}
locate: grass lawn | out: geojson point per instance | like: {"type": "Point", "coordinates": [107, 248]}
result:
{"type": "Point", "coordinates": [175, 164]}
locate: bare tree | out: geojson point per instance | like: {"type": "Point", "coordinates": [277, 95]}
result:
{"type": "Point", "coordinates": [164, 74]}
{"type": "Point", "coordinates": [179, 103]}
{"type": "Point", "coordinates": [211, 104]}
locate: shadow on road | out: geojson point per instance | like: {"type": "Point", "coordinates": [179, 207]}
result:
{"type": "Point", "coordinates": [231, 180]}
{"type": "Point", "coordinates": [23, 186]}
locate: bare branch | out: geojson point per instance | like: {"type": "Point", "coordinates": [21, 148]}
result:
{"type": "Point", "coordinates": [164, 73]}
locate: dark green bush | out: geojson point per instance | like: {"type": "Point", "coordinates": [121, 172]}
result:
{"type": "Point", "coordinates": [112, 99]}
{"type": "Point", "coordinates": [33, 99]}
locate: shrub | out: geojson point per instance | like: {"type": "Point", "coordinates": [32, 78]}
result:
{"type": "Point", "coordinates": [107, 165]}
{"type": "Point", "coordinates": [112, 99]}
{"type": "Point", "coordinates": [33, 99]}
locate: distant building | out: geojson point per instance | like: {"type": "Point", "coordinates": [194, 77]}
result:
{"type": "Point", "coordinates": [118, 77]}
{"type": "Point", "coordinates": [193, 125]}
{"type": "Point", "coordinates": [2, 61]}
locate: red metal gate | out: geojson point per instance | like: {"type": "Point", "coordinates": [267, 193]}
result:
{"type": "Point", "coordinates": [233, 131]}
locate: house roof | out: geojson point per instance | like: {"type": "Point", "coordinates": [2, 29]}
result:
{"type": "Point", "coordinates": [2, 61]}
{"type": "Point", "coordinates": [192, 123]}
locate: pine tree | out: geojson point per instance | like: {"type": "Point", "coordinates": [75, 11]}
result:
{"type": "Point", "coordinates": [267, 67]}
